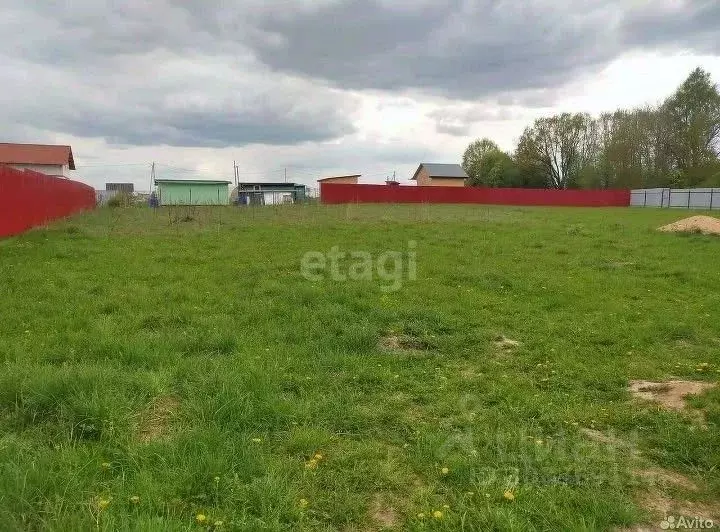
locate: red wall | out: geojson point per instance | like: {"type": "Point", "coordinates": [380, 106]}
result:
{"type": "Point", "coordinates": [338, 193]}
{"type": "Point", "coordinates": [29, 199]}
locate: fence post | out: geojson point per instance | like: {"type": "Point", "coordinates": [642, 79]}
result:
{"type": "Point", "coordinates": [689, 194]}
{"type": "Point", "coordinates": [712, 192]}
{"type": "Point", "coordinates": [645, 199]}
{"type": "Point", "coordinates": [669, 196]}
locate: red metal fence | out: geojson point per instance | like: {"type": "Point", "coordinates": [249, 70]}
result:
{"type": "Point", "coordinates": [344, 193]}
{"type": "Point", "coordinates": [29, 199]}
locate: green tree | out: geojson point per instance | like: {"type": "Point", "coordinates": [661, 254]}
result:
{"type": "Point", "coordinates": [490, 166]}
{"type": "Point", "coordinates": [501, 170]}
{"type": "Point", "coordinates": [676, 144]}
{"type": "Point", "coordinates": [634, 148]}
{"type": "Point", "coordinates": [693, 113]}
{"type": "Point", "coordinates": [531, 173]}
{"type": "Point", "coordinates": [472, 161]}
{"type": "Point", "coordinates": [558, 147]}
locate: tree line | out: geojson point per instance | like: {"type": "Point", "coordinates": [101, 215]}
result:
{"type": "Point", "coordinates": [673, 144]}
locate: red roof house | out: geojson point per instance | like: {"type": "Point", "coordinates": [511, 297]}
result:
{"type": "Point", "coordinates": [43, 158]}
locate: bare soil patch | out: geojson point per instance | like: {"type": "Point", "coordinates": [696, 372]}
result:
{"type": "Point", "coordinates": [706, 225]}
{"type": "Point", "coordinates": [654, 499]}
{"type": "Point", "coordinates": [607, 439]}
{"type": "Point", "coordinates": [383, 515]}
{"type": "Point", "coordinates": [670, 394]}
{"type": "Point", "coordinates": [662, 505]}
{"type": "Point", "coordinates": [658, 476]}
{"type": "Point", "coordinates": [505, 343]}
{"type": "Point", "coordinates": [393, 342]}
{"type": "Point", "coordinates": [154, 422]}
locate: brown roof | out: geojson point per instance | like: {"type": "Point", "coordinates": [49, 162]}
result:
{"type": "Point", "coordinates": [36, 154]}
{"type": "Point", "coordinates": [339, 177]}
{"type": "Point", "coordinates": [445, 171]}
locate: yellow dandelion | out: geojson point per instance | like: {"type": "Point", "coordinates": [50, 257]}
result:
{"type": "Point", "coordinates": [421, 515]}
{"type": "Point", "coordinates": [103, 503]}
{"type": "Point", "coordinates": [311, 464]}
{"type": "Point", "coordinates": [303, 503]}
{"type": "Point", "coordinates": [135, 499]}
{"type": "Point", "coordinates": [437, 514]}
{"type": "Point", "coordinates": [201, 519]}
{"type": "Point", "coordinates": [446, 506]}
{"type": "Point", "coordinates": [218, 524]}
{"type": "Point", "coordinates": [318, 456]}
{"type": "Point", "coordinates": [509, 495]}
{"type": "Point", "coordinates": [539, 442]}
{"type": "Point", "coordinates": [257, 440]}
{"type": "Point", "coordinates": [444, 470]}
{"type": "Point", "coordinates": [105, 465]}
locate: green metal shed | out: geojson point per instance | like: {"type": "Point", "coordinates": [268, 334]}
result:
{"type": "Point", "coordinates": [192, 192]}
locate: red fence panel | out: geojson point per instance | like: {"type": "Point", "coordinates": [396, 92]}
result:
{"type": "Point", "coordinates": [346, 193]}
{"type": "Point", "coordinates": [29, 199]}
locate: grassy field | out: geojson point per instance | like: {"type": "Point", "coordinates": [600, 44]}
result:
{"type": "Point", "coordinates": [175, 370]}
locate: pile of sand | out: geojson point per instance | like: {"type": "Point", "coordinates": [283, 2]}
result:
{"type": "Point", "coordinates": [706, 225]}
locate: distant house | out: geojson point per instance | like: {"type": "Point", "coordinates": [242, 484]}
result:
{"type": "Point", "coordinates": [125, 188]}
{"type": "Point", "coordinates": [341, 179]}
{"type": "Point", "coordinates": [440, 175]}
{"type": "Point", "coordinates": [44, 158]}
{"type": "Point", "coordinates": [261, 193]}
{"type": "Point", "coordinates": [191, 192]}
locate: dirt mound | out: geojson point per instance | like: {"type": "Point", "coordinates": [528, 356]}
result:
{"type": "Point", "coordinates": [706, 225]}
{"type": "Point", "coordinates": [670, 394]}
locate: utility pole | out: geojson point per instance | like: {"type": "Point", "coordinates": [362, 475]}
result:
{"type": "Point", "coordinates": [152, 176]}
{"type": "Point", "coordinates": [286, 175]}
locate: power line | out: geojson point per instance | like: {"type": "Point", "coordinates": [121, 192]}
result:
{"type": "Point", "coordinates": [110, 165]}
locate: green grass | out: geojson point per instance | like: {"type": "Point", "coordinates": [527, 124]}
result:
{"type": "Point", "coordinates": [206, 311]}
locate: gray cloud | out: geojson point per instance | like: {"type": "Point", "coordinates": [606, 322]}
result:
{"type": "Point", "coordinates": [190, 104]}
{"type": "Point", "coordinates": [455, 48]}
{"type": "Point", "coordinates": [472, 49]}
{"type": "Point", "coordinates": [689, 25]}
{"type": "Point", "coordinates": [214, 73]}
{"type": "Point", "coordinates": [142, 75]}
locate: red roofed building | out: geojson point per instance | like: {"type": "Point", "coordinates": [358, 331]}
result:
{"type": "Point", "coordinates": [43, 158]}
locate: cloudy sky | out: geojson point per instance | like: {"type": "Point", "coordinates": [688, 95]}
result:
{"type": "Point", "coordinates": [321, 87]}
